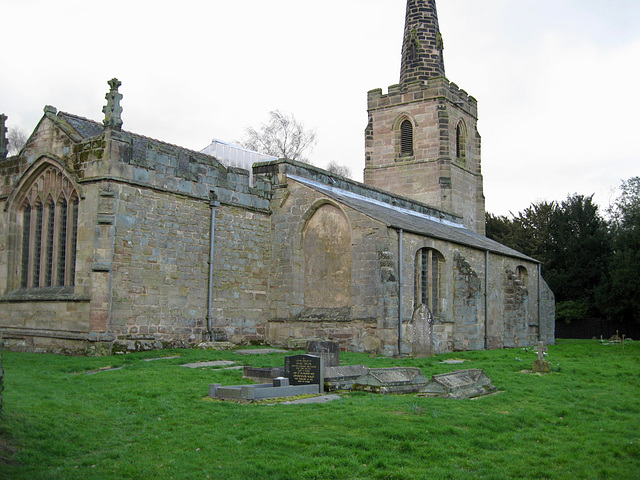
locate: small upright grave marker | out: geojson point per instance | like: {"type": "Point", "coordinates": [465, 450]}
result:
{"type": "Point", "coordinates": [329, 351]}
{"type": "Point", "coordinates": [541, 365]}
{"type": "Point", "coordinates": [304, 370]}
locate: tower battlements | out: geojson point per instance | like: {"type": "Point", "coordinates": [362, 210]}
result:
{"type": "Point", "coordinates": [435, 88]}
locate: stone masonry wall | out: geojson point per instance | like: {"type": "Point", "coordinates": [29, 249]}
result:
{"type": "Point", "coordinates": [143, 244]}
{"type": "Point", "coordinates": [460, 325]}
{"type": "Point", "coordinates": [467, 306]}
{"type": "Point", "coordinates": [364, 326]}
{"type": "Point", "coordinates": [241, 274]}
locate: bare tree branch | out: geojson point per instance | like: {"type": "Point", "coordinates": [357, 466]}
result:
{"type": "Point", "coordinates": [282, 136]}
{"type": "Point", "coordinates": [17, 138]}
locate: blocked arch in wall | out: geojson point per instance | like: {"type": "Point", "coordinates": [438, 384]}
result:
{"type": "Point", "coordinates": [45, 209]}
{"type": "Point", "coordinates": [325, 241]}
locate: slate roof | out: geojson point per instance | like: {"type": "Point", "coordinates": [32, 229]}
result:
{"type": "Point", "coordinates": [85, 127]}
{"type": "Point", "coordinates": [90, 128]}
{"type": "Point", "coordinates": [411, 221]}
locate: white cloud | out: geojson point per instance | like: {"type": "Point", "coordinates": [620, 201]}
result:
{"type": "Point", "coordinates": [554, 78]}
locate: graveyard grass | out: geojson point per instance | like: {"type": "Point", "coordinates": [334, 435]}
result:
{"type": "Point", "coordinates": [151, 419]}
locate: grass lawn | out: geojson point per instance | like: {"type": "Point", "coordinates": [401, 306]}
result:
{"type": "Point", "coordinates": [152, 420]}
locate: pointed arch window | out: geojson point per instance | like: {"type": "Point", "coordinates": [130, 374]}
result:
{"type": "Point", "coordinates": [48, 231]}
{"type": "Point", "coordinates": [406, 138]}
{"type": "Point", "coordinates": [461, 140]}
{"type": "Point", "coordinates": [428, 279]}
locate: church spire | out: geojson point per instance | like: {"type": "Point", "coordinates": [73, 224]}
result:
{"type": "Point", "coordinates": [422, 45]}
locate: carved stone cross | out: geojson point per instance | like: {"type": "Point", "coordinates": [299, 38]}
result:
{"type": "Point", "coordinates": [541, 349]}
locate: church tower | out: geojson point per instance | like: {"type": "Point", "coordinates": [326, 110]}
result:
{"type": "Point", "coordinates": [421, 140]}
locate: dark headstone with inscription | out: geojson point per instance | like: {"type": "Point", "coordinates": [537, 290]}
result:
{"type": "Point", "coordinates": [304, 370]}
{"type": "Point", "coordinates": [329, 351]}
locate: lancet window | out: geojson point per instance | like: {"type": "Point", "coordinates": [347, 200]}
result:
{"type": "Point", "coordinates": [428, 279]}
{"type": "Point", "coordinates": [461, 140]}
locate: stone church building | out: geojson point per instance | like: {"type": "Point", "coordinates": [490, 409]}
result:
{"type": "Point", "coordinates": [110, 240]}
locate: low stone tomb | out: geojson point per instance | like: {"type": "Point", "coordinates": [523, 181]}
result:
{"type": "Point", "coordinates": [329, 351]}
{"type": "Point", "coordinates": [263, 375]}
{"type": "Point", "coordinates": [459, 384]}
{"type": "Point", "coordinates": [278, 388]}
{"type": "Point", "coordinates": [391, 380]}
{"type": "Point", "coordinates": [304, 370]}
{"type": "Point", "coordinates": [342, 378]}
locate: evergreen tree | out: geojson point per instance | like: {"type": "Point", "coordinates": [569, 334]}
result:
{"type": "Point", "coordinates": [624, 282]}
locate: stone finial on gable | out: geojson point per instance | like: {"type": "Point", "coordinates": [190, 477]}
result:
{"type": "Point", "coordinates": [112, 110]}
{"type": "Point", "coordinates": [4, 142]}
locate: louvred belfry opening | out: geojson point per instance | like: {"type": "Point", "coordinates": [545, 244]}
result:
{"type": "Point", "coordinates": [406, 138]}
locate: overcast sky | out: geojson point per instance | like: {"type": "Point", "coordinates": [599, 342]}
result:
{"type": "Point", "coordinates": [555, 80]}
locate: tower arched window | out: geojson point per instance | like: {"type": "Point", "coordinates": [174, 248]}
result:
{"type": "Point", "coordinates": [406, 138]}
{"type": "Point", "coordinates": [428, 279]}
{"type": "Point", "coordinates": [461, 140]}
{"type": "Point", "coordinates": [48, 231]}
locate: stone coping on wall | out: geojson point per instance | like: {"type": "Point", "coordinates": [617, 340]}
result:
{"type": "Point", "coordinates": [17, 332]}
{"type": "Point", "coordinates": [52, 294]}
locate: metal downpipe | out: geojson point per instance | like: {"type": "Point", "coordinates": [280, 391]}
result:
{"type": "Point", "coordinates": [539, 302]}
{"type": "Point", "coordinates": [486, 300]}
{"type": "Point", "coordinates": [213, 203]}
{"type": "Point", "coordinates": [400, 292]}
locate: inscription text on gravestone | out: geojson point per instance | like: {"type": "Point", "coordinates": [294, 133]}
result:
{"type": "Point", "coordinates": [304, 370]}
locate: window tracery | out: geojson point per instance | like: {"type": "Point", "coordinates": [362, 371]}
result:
{"type": "Point", "coordinates": [48, 230]}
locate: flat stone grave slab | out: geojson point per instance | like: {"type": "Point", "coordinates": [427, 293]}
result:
{"type": "Point", "coordinates": [391, 380]}
{"type": "Point", "coordinates": [215, 363]}
{"type": "Point", "coordinates": [160, 358]}
{"type": "Point", "coordinates": [259, 351]}
{"type": "Point", "coordinates": [342, 377]}
{"type": "Point", "coordinates": [263, 375]}
{"type": "Point", "coordinates": [304, 370]}
{"type": "Point", "coordinates": [320, 399]}
{"type": "Point", "coordinates": [279, 388]}
{"type": "Point", "coordinates": [104, 369]}
{"type": "Point", "coordinates": [453, 361]}
{"type": "Point", "coordinates": [459, 384]}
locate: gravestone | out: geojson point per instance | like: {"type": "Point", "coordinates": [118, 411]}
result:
{"type": "Point", "coordinates": [304, 370]}
{"type": "Point", "coordinates": [329, 351]}
{"type": "Point", "coordinates": [459, 384]}
{"type": "Point", "coordinates": [541, 365]}
{"type": "Point", "coordinates": [422, 321]}
{"type": "Point", "coordinates": [342, 378]}
{"type": "Point", "coordinates": [391, 380]}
